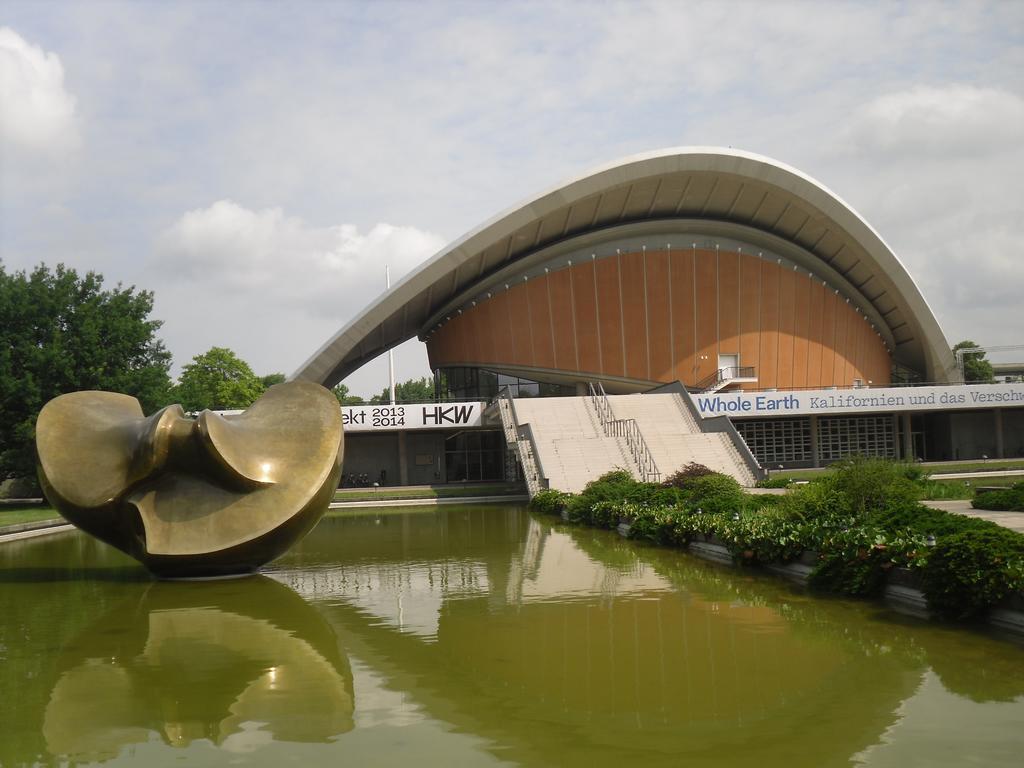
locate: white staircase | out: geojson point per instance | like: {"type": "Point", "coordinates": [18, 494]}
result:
{"type": "Point", "coordinates": [674, 439]}
{"type": "Point", "coordinates": [571, 447]}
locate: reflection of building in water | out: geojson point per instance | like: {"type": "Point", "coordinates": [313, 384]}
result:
{"type": "Point", "coordinates": [409, 594]}
{"type": "Point", "coordinates": [238, 663]}
{"type": "Point", "coordinates": [573, 636]}
{"type": "Point", "coordinates": [406, 596]}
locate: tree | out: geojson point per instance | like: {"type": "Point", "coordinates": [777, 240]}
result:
{"type": "Point", "coordinates": [218, 380]}
{"type": "Point", "coordinates": [61, 332]}
{"type": "Point", "coordinates": [411, 391]}
{"type": "Point", "coordinates": [271, 379]}
{"type": "Point", "coordinates": [977, 368]}
{"type": "Point", "coordinates": [344, 398]}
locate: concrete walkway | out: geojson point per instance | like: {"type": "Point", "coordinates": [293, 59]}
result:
{"type": "Point", "coordinates": [972, 475]}
{"type": "Point", "coordinates": [59, 525]}
{"type": "Point", "coordinates": [1012, 520]}
{"type": "Point", "coordinates": [31, 530]}
{"type": "Point", "coordinates": [522, 497]}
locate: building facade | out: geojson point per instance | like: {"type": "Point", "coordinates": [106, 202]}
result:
{"type": "Point", "coordinates": [721, 269]}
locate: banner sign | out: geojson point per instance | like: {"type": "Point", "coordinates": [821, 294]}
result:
{"type": "Point", "coordinates": [370, 418]}
{"type": "Point", "coordinates": [860, 401]}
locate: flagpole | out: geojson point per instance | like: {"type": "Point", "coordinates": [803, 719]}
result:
{"type": "Point", "coordinates": [391, 352]}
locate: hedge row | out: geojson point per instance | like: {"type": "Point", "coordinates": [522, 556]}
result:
{"type": "Point", "coordinates": [1003, 500]}
{"type": "Point", "coordinates": [862, 519]}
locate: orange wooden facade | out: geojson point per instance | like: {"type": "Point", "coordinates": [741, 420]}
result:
{"type": "Point", "coordinates": [659, 316]}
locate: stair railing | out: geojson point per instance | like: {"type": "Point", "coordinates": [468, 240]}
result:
{"type": "Point", "coordinates": [628, 429]}
{"type": "Point", "coordinates": [684, 401]}
{"type": "Point", "coordinates": [520, 438]}
{"type": "Point", "coordinates": [724, 374]}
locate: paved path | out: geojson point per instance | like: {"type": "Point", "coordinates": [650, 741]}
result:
{"type": "Point", "coordinates": [26, 531]}
{"type": "Point", "coordinates": [428, 502]}
{"type": "Point", "coordinates": [969, 475]}
{"type": "Point", "coordinates": [1012, 520]}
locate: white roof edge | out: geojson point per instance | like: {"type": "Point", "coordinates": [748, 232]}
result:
{"type": "Point", "coordinates": [632, 168]}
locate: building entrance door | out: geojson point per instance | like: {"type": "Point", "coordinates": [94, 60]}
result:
{"type": "Point", "coordinates": [729, 366]}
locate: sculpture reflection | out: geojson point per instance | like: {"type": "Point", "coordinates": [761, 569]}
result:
{"type": "Point", "coordinates": [239, 663]}
{"type": "Point", "coordinates": [211, 496]}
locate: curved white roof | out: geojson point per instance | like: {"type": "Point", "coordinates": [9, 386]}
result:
{"type": "Point", "coordinates": [723, 192]}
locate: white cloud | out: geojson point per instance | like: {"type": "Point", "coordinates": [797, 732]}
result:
{"type": "Point", "coordinates": [964, 120]}
{"type": "Point", "coordinates": [273, 287]}
{"type": "Point", "coordinates": [440, 115]}
{"type": "Point", "coordinates": [285, 260]}
{"type": "Point", "coordinates": [36, 111]}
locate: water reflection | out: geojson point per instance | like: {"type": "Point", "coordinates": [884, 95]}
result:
{"type": "Point", "coordinates": [239, 663]}
{"type": "Point", "coordinates": [481, 636]}
{"type": "Point", "coordinates": [574, 646]}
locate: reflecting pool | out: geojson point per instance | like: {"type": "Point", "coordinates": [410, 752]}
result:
{"type": "Point", "coordinates": [480, 636]}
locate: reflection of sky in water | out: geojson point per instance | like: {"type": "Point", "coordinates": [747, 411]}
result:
{"type": "Point", "coordinates": [945, 726]}
{"type": "Point", "coordinates": [479, 637]}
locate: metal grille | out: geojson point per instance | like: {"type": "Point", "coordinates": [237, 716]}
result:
{"type": "Point", "coordinates": [777, 441]}
{"type": "Point", "coordinates": [840, 437]}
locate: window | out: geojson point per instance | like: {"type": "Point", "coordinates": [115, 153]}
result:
{"type": "Point", "coordinates": [474, 455]}
{"type": "Point", "coordinates": [777, 441]}
{"type": "Point", "coordinates": [481, 384]}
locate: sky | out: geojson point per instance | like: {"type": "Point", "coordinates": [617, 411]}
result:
{"type": "Point", "coordinates": [256, 165]}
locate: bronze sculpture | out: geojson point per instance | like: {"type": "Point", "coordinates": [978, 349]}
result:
{"type": "Point", "coordinates": [212, 496]}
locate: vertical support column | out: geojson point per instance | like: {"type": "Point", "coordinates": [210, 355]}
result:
{"type": "Point", "coordinates": [908, 437]}
{"type": "Point", "coordinates": [815, 454]}
{"type": "Point", "coordinates": [403, 460]}
{"type": "Point", "coordinates": [998, 415]}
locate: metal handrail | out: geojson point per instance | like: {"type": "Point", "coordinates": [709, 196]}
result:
{"type": "Point", "coordinates": [524, 444]}
{"type": "Point", "coordinates": [723, 424]}
{"type": "Point", "coordinates": [628, 429]}
{"type": "Point", "coordinates": [601, 405]}
{"type": "Point", "coordinates": [726, 374]}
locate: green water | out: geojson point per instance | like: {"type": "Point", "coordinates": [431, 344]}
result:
{"type": "Point", "coordinates": [480, 636]}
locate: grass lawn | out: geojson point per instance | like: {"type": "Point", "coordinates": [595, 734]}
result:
{"type": "Point", "coordinates": [993, 465]}
{"type": "Point", "coordinates": [427, 492]}
{"type": "Point", "coordinates": [964, 489]}
{"type": "Point", "coordinates": [947, 489]}
{"type": "Point", "coordinates": [16, 515]}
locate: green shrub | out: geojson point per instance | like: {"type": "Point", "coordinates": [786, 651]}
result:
{"type": "Point", "coordinates": [912, 471]}
{"type": "Point", "coordinates": [856, 560]}
{"type": "Point", "coordinates": [683, 477]}
{"type": "Point", "coordinates": [611, 486]}
{"type": "Point", "coordinates": [767, 501]}
{"type": "Point", "coordinates": [766, 536]}
{"type": "Point", "coordinates": [605, 514]}
{"type": "Point", "coordinates": [969, 572]}
{"type": "Point", "coordinates": [657, 524]}
{"type": "Point", "coordinates": [945, 489]}
{"type": "Point", "coordinates": [871, 485]}
{"type": "Point", "coordinates": [1008, 500]}
{"type": "Point", "coordinates": [859, 577]}
{"type": "Point", "coordinates": [863, 519]}
{"type": "Point", "coordinates": [927, 521]}
{"type": "Point", "coordinates": [814, 500]}
{"type": "Point", "coordinates": [550, 502]}
{"type": "Point", "coordinates": [775, 482]}
{"type": "Point", "coordinates": [716, 494]}
{"type": "Point", "coordinates": [616, 485]}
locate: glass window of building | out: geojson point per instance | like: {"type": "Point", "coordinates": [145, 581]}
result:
{"type": "Point", "coordinates": [474, 456]}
